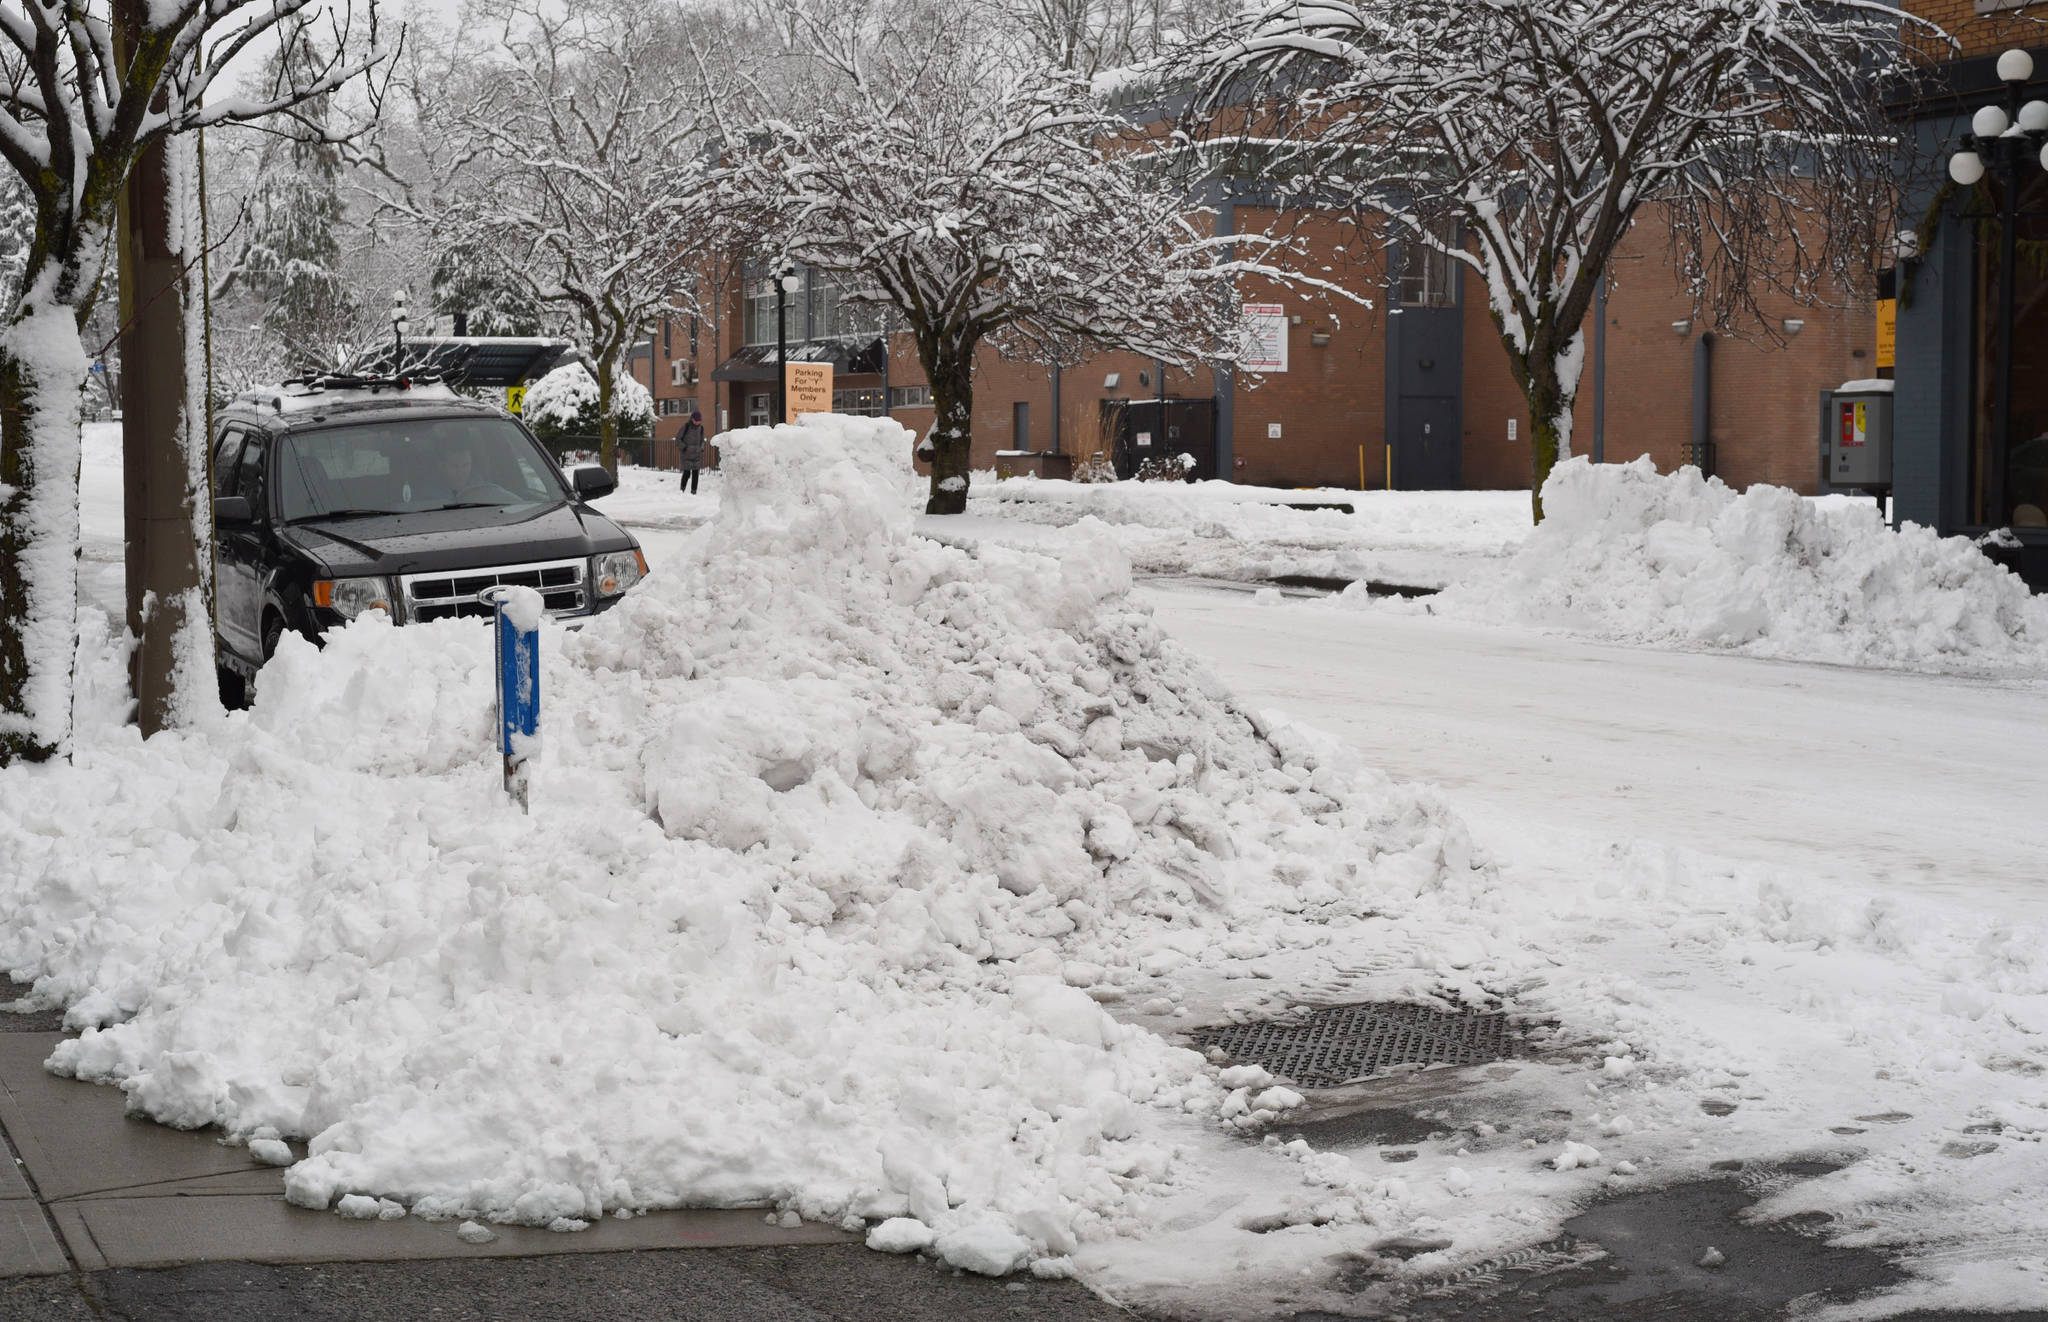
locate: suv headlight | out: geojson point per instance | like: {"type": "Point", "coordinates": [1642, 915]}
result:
{"type": "Point", "coordinates": [619, 570]}
{"type": "Point", "coordinates": [350, 597]}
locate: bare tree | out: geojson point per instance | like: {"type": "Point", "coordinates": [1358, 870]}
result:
{"type": "Point", "coordinates": [1095, 36]}
{"type": "Point", "coordinates": [82, 98]}
{"type": "Point", "coordinates": [987, 198]}
{"type": "Point", "coordinates": [1521, 138]}
{"type": "Point", "coordinates": [571, 172]}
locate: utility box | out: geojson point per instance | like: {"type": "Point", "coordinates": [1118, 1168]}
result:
{"type": "Point", "coordinates": [1859, 436]}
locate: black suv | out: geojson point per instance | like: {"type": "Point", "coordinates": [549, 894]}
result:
{"type": "Point", "coordinates": [343, 495]}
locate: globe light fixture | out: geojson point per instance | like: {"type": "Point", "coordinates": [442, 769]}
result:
{"type": "Point", "coordinates": [2015, 66]}
{"type": "Point", "coordinates": [1966, 168]}
{"type": "Point", "coordinates": [2033, 117]}
{"type": "Point", "coordinates": [1989, 122]}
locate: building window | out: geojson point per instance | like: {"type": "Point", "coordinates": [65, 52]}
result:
{"type": "Point", "coordinates": [669, 407]}
{"type": "Point", "coordinates": [910, 397]}
{"type": "Point", "coordinates": [1427, 276]}
{"type": "Point", "coordinates": [757, 410]}
{"type": "Point", "coordinates": [834, 318]}
{"type": "Point", "coordinates": [858, 403]}
{"type": "Point", "coordinates": [760, 316]}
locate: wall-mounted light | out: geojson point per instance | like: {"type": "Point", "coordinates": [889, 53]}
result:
{"type": "Point", "coordinates": [1109, 382]}
{"type": "Point", "coordinates": [1793, 325]}
{"type": "Point", "coordinates": [1294, 320]}
{"type": "Point", "coordinates": [1319, 338]}
{"type": "Point", "coordinates": [1144, 380]}
{"type": "Point", "coordinates": [1682, 327]}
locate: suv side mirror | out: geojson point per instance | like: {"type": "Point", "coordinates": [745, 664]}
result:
{"type": "Point", "coordinates": [592, 481]}
{"type": "Point", "coordinates": [232, 511]}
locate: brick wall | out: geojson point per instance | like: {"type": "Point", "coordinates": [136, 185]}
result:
{"type": "Point", "coordinates": [1975, 33]}
{"type": "Point", "coordinates": [1331, 403]}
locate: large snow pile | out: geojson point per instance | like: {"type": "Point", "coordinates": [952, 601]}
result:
{"type": "Point", "coordinates": [839, 837]}
{"type": "Point", "coordinates": [1626, 552]}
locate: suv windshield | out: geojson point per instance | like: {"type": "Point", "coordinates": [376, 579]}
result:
{"type": "Point", "coordinates": [407, 465]}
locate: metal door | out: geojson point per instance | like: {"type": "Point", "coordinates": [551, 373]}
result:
{"type": "Point", "coordinates": [1428, 448]}
{"type": "Point", "coordinates": [1144, 429]}
{"type": "Point", "coordinates": [1425, 371]}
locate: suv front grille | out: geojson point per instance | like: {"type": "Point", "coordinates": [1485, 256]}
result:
{"type": "Point", "coordinates": [447, 596]}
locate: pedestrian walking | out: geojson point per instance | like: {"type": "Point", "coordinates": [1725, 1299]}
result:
{"type": "Point", "coordinates": [692, 442]}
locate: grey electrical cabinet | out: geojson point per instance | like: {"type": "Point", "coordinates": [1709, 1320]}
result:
{"type": "Point", "coordinates": [1859, 436]}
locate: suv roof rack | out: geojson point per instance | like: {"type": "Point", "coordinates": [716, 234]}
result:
{"type": "Point", "coordinates": [300, 391]}
{"type": "Point", "coordinates": [357, 381]}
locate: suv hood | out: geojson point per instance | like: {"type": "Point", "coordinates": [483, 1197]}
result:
{"type": "Point", "coordinates": [455, 539]}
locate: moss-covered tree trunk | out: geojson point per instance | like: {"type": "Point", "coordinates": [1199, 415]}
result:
{"type": "Point", "coordinates": [948, 361]}
{"type": "Point", "coordinates": [1548, 374]}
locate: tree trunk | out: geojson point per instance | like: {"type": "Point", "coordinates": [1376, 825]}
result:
{"type": "Point", "coordinates": [949, 368]}
{"type": "Point", "coordinates": [607, 425]}
{"type": "Point", "coordinates": [42, 374]}
{"type": "Point", "coordinates": [163, 441]}
{"type": "Point", "coordinates": [1549, 377]}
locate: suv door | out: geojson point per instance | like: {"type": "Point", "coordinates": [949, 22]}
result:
{"type": "Point", "coordinates": [239, 549]}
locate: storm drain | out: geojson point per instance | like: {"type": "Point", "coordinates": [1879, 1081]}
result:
{"type": "Point", "coordinates": [1349, 1042]}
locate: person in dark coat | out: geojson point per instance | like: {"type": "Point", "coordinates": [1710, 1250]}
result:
{"type": "Point", "coordinates": [691, 439]}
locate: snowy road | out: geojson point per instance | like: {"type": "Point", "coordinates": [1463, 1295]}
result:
{"type": "Point", "coordinates": [1920, 784]}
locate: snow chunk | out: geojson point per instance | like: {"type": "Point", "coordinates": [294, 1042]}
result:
{"type": "Point", "coordinates": [524, 608]}
{"type": "Point", "coordinates": [986, 1245]}
{"type": "Point", "coordinates": [1575, 1156]}
{"type": "Point", "coordinates": [473, 1232]}
{"type": "Point", "coordinates": [901, 1234]}
{"type": "Point", "coordinates": [271, 1151]}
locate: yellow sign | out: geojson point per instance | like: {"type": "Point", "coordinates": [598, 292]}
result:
{"type": "Point", "coordinates": [1887, 332]}
{"type": "Point", "coordinates": [515, 398]}
{"type": "Point", "coordinates": [808, 388]}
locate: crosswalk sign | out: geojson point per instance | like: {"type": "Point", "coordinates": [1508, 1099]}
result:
{"type": "Point", "coordinates": [515, 398]}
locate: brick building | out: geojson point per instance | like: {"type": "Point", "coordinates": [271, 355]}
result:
{"type": "Point", "coordinates": [1414, 392]}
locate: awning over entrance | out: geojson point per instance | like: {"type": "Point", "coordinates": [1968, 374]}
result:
{"type": "Point", "coordinates": [756, 362]}
{"type": "Point", "coordinates": [478, 360]}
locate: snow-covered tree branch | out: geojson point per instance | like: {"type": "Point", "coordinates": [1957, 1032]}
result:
{"type": "Point", "coordinates": [983, 194]}
{"type": "Point", "coordinates": [1522, 137]}
{"type": "Point", "coordinates": [84, 93]}
{"type": "Point", "coordinates": [573, 172]}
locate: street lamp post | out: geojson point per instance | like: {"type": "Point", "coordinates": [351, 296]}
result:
{"type": "Point", "coordinates": [787, 282]}
{"type": "Point", "coordinates": [399, 324]}
{"type": "Point", "coordinates": [1999, 138]}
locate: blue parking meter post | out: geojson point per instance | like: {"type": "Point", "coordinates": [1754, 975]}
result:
{"type": "Point", "coordinates": [517, 629]}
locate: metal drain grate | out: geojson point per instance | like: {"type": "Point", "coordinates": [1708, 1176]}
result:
{"type": "Point", "coordinates": [1349, 1042]}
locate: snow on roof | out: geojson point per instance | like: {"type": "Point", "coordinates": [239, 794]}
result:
{"type": "Point", "coordinates": [302, 397]}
